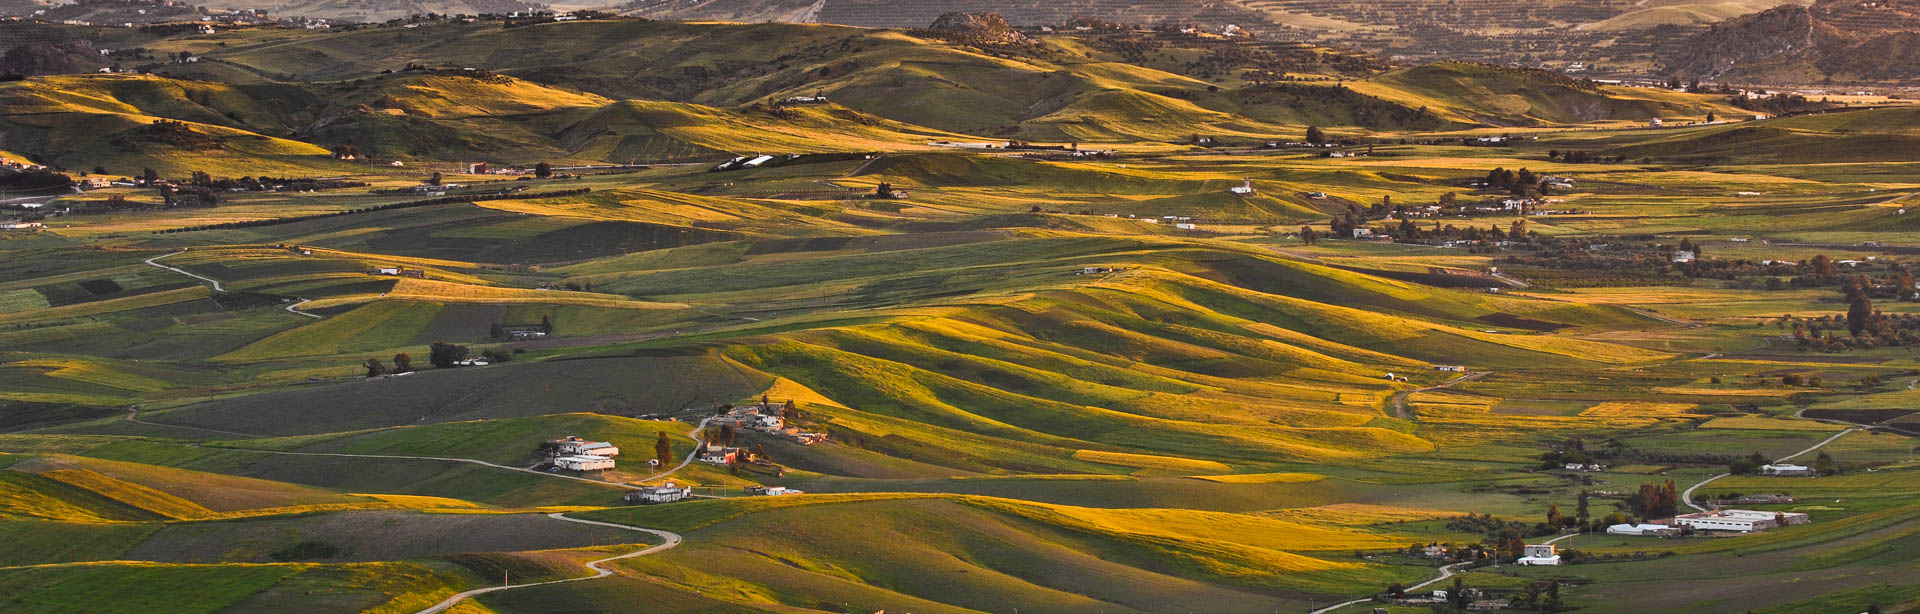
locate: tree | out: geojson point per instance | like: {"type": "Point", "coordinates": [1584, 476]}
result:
{"type": "Point", "coordinates": [1510, 542]}
{"type": "Point", "coordinates": [1449, 200]}
{"type": "Point", "coordinates": [1518, 231]}
{"type": "Point", "coordinates": [1458, 596]}
{"type": "Point", "coordinates": [435, 179]}
{"type": "Point", "coordinates": [1315, 135]}
{"type": "Point", "coordinates": [1822, 266]}
{"type": "Point", "coordinates": [663, 450]}
{"type": "Point", "coordinates": [1308, 235]}
{"type": "Point", "coordinates": [1554, 519]}
{"type": "Point", "coordinates": [1859, 307]}
{"type": "Point", "coordinates": [496, 355]}
{"type": "Point", "coordinates": [1580, 507]}
{"type": "Point", "coordinates": [543, 170]}
{"type": "Point", "coordinates": [402, 363]}
{"type": "Point", "coordinates": [375, 368]}
{"type": "Point", "coordinates": [1825, 465]}
{"type": "Point", "coordinates": [444, 355]}
{"type": "Point", "coordinates": [148, 176]}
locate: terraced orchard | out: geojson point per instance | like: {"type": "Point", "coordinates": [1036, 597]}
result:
{"type": "Point", "coordinates": [534, 315]}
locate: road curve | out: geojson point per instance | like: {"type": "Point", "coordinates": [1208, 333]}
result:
{"type": "Point", "coordinates": [216, 283]}
{"type": "Point", "coordinates": [1687, 496]}
{"type": "Point", "coordinates": [669, 540]}
{"type": "Point", "coordinates": [1445, 572]}
{"type": "Point", "coordinates": [295, 309]}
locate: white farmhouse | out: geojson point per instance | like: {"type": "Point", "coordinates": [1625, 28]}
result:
{"type": "Point", "coordinates": [1538, 554]}
{"type": "Point", "coordinates": [583, 463]}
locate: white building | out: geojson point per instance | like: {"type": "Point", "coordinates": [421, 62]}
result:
{"type": "Point", "coordinates": [654, 495]}
{"type": "Point", "coordinates": [1245, 188]}
{"type": "Point", "coordinates": [1785, 469]}
{"type": "Point", "coordinates": [575, 446]}
{"type": "Point", "coordinates": [1538, 554]}
{"type": "Point", "coordinates": [583, 463]}
{"type": "Point", "coordinates": [1656, 530]}
{"type": "Point", "coordinates": [1739, 521]}
{"type": "Point", "coordinates": [1683, 256]}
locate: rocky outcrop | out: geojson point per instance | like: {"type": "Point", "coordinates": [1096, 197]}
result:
{"type": "Point", "coordinates": [34, 59]}
{"type": "Point", "coordinates": [1840, 39]}
{"type": "Point", "coordinates": [978, 28]}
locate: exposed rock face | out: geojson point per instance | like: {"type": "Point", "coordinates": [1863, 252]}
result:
{"type": "Point", "coordinates": [1839, 39]}
{"type": "Point", "coordinates": [979, 28]}
{"type": "Point", "coordinates": [34, 59]}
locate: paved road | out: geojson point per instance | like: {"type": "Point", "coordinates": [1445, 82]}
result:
{"type": "Point", "coordinates": [216, 283]}
{"type": "Point", "coordinates": [1445, 572]}
{"type": "Point", "coordinates": [669, 541]}
{"type": "Point", "coordinates": [1400, 400]}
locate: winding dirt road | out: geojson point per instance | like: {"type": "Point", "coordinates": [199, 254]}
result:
{"type": "Point", "coordinates": [669, 541]}
{"type": "Point", "coordinates": [216, 283]}
{"type": "Point", "coordinates": [1400, 400]}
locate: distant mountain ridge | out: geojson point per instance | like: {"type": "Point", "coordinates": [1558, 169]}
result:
{"type": "Point", "coordinates": [1841, 40]}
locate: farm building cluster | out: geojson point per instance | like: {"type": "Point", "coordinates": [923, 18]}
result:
{"type": "Point", "coordinates": [769, 418]}
{"type": "Point", "coordinates": [572, 453]}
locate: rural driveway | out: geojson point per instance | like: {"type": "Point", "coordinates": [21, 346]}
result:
{"type": "Point", "coordinates": [216, 283]}
{"type": "Point", "coordinates": [669, 540]}
{"type": "Point", "coordinates": [1687, 497]}
{"type": "Point", "coordinates": [1445, 572]}
{"type": "Point", "coordinates": [1400, 400]}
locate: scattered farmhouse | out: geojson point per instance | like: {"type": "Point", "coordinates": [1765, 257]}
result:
{"type": "Point", "coordinates": [655, 495]}
{"type": "Point", "coordinates": [1739, 521]}
{"type": "Point", "coordinates": [1538, 554]}
{"type": "Point", "coordinates": [1245, 188]}
{"type": "Point", "coordinates": [772, 491]}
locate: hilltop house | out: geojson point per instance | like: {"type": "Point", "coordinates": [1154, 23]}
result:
{"type": "Point", "coordinates": [575, 446]}
{"type": "Point", "coordinates": [1245, 188]}
{"type": "Point", "coordinates": [1538, 554]}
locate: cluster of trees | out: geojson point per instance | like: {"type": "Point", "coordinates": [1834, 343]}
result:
{"type": "Point", "coordinates": [443, 200]}
{"type": "Point", "coordinates": [1865, 326]}
{"type": "Point", "coordinates": [402, 363]}
{"type": "Point", "coordinates": [1585, 157]}
{"type": "Point", "coordinates": [168, 132]}
{"type": "Point", "coordinates": [1779, 103]}
{"type": "Point", "coordinates": [1655, 500]}
{"type": "Point", "coordinates": [447, 355]}
{"type": "Point", "coordinates": [1522, 182]}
